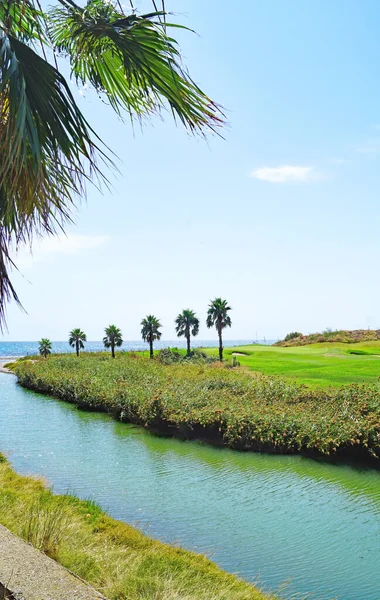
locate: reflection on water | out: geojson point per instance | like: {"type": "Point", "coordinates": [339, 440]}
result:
{"type": "Point", "coordinates": [272, 517]}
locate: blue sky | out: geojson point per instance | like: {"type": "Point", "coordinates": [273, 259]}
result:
{"type": "Point", "coordinates": [281, 217]}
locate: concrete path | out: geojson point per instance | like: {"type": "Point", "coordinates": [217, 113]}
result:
{"type": "Point", "coordinates": [30, 575]}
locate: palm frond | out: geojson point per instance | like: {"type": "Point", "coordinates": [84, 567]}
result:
{"type": "Point", "coordinates": [132, 61]}
{"type": "Point", "coordinates": [48, 151]}
{"type": "Point", "coordinates": [7, 291]}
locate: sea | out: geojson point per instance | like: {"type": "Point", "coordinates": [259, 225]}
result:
{"type": "Point", "coordinates": [10, 350]}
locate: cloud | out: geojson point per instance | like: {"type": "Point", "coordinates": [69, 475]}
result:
{"type": "Point", "coordinates": [370, 147]}
{"type": "Point", "coordinates": [49, 249]}
{"type": "Point", "coordinates": [284, 174]}
{"type": "Point", "coordinates": [338, 161]}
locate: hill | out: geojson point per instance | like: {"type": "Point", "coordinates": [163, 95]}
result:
{"type": "Point", "coordinates": [338, 336]}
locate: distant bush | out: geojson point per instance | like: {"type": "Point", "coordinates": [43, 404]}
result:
{"type": "Point", "coordinates": [292, 335]}
{"type": "Point", "coordinates": [341, 336]}
{"type": "Point", "coordinates": [169, 356]}
{"type": "Point", "coordinates": [200, 356]}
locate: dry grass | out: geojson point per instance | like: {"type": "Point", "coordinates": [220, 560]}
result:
{"type": "Point", "coordinates": [113, 557]}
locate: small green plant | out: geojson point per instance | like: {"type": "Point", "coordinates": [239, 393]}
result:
{"type": "Point", "coordinates": [45, 523]}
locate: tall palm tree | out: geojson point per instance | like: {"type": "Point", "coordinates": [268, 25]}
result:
{"type": "Point", "coordinates": [150, 331]}
{"type": "Point", "coordinates": [113, 338]}
{"type": "Point", "coordinates": [187, 324]}
{"type": "Point", "coordinates": [44, 347]}
{"type": "Point", "coordinates": [218, 317]}
{"type": "Point", "coordinates": [48, 150]}
{"type": "Point", "coordinates": [77, 339]}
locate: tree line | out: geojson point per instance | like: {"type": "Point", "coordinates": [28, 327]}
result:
{"type": "Point", "coordinates": [186, 325]}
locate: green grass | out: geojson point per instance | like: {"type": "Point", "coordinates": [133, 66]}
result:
{"type": "Point", "coordinates": [233, 407]}
{"type": "Point", "coordinates": [113, 557]}
{"type": "Point", "coordinates": [316, 365]}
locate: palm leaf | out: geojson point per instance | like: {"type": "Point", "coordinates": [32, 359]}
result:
{"type": "Point", "coordinates": [48, 151]}
{"type": "Point", "coordinates": [132, 61]}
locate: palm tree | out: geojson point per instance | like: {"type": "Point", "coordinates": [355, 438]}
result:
{"type": "Point", "coordinates": [48, 150]}
{"type": "Point", "coordinates": [44, 347]}
{"type": "Point", "coordinates": [76, 339]}
{"type": "Point", "coordinates": [113, 338]}
{"type": "Point", "coordinates": [187, 324]}
{"type": "Point", "coordinates": [150, 331]}
{"type": "Point", "coordinates": [217, 316]}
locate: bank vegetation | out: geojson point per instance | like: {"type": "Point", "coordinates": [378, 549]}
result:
{"type": "Point", "coordinates": [230, 407]}
{"type": "Point", "coordinates": [115, 558]}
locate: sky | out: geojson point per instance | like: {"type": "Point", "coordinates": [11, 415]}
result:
{"type": "Point", "coordinates": [280, 216]}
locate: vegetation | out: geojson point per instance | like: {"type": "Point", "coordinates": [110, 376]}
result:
{"type": "Point", "coordinates": [77, 339]}
{"type": "Point", "coordinates": [292, 336]}
{"type": "Point", "coordinates": [44, 347]}
{"type": "Point", "coordinates": [187, 325]}
{"type": "Point", "coordinates": [169, 356]}
{"type": "Point", "coordinates": [48, 151]}
{"type": "Point", "coordinates": [113, 338]}
{"type": "Point", "coordinates": [337, 336]}
{"type": "Point", "coordinates": [150, 331]}
{"type": "Point", "coordinates": [228, 406]}
{"type": "Point", "coordinates": [218, 317]}
{"type": "Point", "coordinates": [317, 366]}
{"type": "Point", "coordinates": [113, 557]}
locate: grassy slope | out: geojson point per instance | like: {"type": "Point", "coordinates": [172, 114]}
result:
{"type": "Point", "coordinates": [115, 558]}
{"type": "Point", "coordinates": [317, 365]}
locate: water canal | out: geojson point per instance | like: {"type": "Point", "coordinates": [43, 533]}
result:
{"type": "Point", "coordinates": [272, 518]}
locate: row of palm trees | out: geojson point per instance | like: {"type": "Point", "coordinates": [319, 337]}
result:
{"type": "Point", "coordinates": [187, 325]}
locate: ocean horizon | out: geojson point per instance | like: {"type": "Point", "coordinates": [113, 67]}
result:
{"type": "Point", "coordinates": [18, 349]}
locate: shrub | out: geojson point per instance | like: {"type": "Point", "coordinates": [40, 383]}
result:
{"type": "Point", "coordinates": [168, 356]}
{"type": "Point", "coordinates": [246, 412]}
{"type": "Point", "coordinates": [292, 336]}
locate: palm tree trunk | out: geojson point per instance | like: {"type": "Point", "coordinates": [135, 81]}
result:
{"type": "Point", "coordinates": [77, 346]}
{"type": "Point", "coordinates": [151, 348]}
{"type": "Point", "coordinates": [220, 344]}
{"type": "Point", "coordinates": [188, 345]}
{"type": "Point", "coordinates": [113, 350]}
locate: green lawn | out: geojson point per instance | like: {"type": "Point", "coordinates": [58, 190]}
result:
{"type": "Point", "coordinates": [317, 365]}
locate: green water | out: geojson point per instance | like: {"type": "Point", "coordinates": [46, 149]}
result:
{"type": "Point", "coordinates": [277, 519]}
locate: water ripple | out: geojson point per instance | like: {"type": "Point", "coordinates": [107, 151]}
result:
{"type": "Point", "coordinates": [278, 518]}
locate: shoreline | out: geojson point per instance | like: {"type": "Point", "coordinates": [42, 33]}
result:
{"type": "Point", "coordinates": [111, 555]}
{"type": "Point", "coordinates": [4, 369]}
{"type": "Point", "coordinates": [213, 406]}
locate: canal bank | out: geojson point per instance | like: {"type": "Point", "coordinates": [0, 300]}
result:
{"type": "Point", "coordinates": [118, 560]}
{"type": "Point", "coordinates": [276, 518]}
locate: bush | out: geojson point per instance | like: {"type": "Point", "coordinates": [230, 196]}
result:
{"type": "Point", "coordinates": [246, 412]}
{"type": "Point", "coordinates": [169, 356]}
{"type": "Point", "coordinates": [292, 336]}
